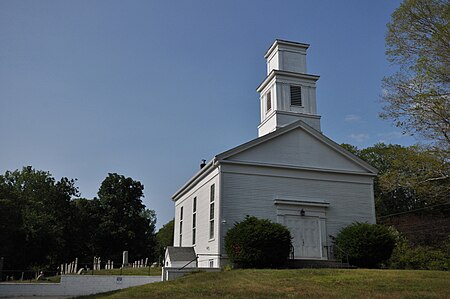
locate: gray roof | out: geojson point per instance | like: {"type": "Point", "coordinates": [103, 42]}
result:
{"type": "Point", "coordinates": [181, 253]}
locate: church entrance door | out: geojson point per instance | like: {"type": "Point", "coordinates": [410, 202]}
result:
{"type": "Point", "coordinates": [306, 236]}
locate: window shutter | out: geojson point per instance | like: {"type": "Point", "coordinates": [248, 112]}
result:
{"type": "Point", "coordinates": [296, 95]}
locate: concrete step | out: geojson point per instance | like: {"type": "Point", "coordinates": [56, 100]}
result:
{"type": "Point", "coordinates": [298, 264]}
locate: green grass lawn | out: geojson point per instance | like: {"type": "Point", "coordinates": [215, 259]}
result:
{"type": "Point", "coordinates": [304, 283]}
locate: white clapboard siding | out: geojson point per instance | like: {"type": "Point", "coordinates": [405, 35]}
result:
{"type": "Point", "coordinates": [254, 194]}
{"type": "Point", "coordinates": [298, 148]}
{"type": "Point", "coordinates": [203, 244]}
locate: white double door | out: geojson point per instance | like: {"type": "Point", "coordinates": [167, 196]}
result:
{"type": "Point", "coordinates": [306, 236]}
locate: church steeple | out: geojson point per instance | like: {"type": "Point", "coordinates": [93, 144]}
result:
{"type": "Point", "coordinates": [288, 93]}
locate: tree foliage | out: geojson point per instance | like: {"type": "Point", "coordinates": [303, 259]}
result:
{"type": "Point", "coordinates": [258, 243]}
{"type": "Point", "coordinates": [164, 238]}
{"type": "Point", "coordinates": [125, 224]}
{"type": "Point", "coordinates": [420, 257]}
{"type": "Point", "coordinates": [366, 245]}
{"type": "Point", "coordinates": [42, 224]}
{"type": "Point", "coordinates": [85, 226]}
{"type": "Point", "coordinates": [409, 178]}
{"type": "Point", "coordinates": [35, 226]}
{"type": "Point", "coordinates": [417, 96]}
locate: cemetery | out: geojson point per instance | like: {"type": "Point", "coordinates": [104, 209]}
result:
{"type": "Point", "coordinates": [79, 279]}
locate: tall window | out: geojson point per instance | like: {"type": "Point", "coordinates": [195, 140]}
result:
{"type": "Point", "coordinates": [181, 225]}
{"type": "Point", "coordinates": [296, 95]}
{"type": "Point", "coordinates": [269, 100]}
{"type": "Point", "coordinates": [211, 212]}
{"type": "Point", "coordinates": [194, 219]}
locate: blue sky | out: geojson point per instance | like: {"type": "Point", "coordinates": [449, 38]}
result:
{"type": "Point", "coordinates": [149, 88]}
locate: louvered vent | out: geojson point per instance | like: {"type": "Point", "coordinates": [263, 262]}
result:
{"type": "Point", "coordinates": [296, 95]}
{"type": "Point", "coordinates": [269, 101]}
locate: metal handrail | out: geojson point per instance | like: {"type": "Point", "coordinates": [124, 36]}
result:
{"type": "Point", "coordinates": [196, 257]}
{"type": "Point", "coordinates": [344, 252]}
{"type": "Point", "coordinates": [340, 249]}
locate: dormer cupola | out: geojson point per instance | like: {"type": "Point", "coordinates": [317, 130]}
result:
{"type": "Point", "coordinates": [288, 93]}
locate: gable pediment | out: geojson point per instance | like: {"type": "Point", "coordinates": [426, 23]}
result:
{"type": "Point", "coordinates": [297, 145]}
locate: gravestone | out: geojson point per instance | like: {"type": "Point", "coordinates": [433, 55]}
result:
{"type": "Point", "coordinates": [125, 259]}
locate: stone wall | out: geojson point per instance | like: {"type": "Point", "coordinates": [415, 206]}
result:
{"type": "Point", "coordinates": [169, 273]}
{"type": "Point", "coordinates": [75, 285]}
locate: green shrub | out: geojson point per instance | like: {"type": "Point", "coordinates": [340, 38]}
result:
{"type": "Point", "coordinates": [420, 257]}
{"type": "Point", "coordinates": [258, 243]}
{"type": "Point", "coordinates": [367, 245]}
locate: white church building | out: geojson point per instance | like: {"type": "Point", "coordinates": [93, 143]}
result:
{"type": "Point", "coordinates": [291, 174]}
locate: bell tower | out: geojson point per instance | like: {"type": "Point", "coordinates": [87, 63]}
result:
{"type": "Point", "coordinates": [288, 93]}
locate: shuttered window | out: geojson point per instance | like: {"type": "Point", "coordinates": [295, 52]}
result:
{"type": "Point", "coordinates": [296, 95]}
{"type": "Point", "coordinates": [269, 100]}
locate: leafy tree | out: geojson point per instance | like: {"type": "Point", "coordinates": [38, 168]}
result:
{"type": "Point", "coordinates": [42, 226]}
{"type": "Point", "coordinates": [409, 178]}
{"type": "Point", "coordinates": [417, 97]}
{"type": "Point", "coordinates": [36, 218]}
{"type": "Point", "coordinates": [367, 245]}
{"type": "Point", "coordinates": [420, 257]}
{"type": "Point", "coordinates": [164, 238]}
{"type": "Point", "coordinates": [351, 148]}
{"type": "Point", "coordinates": [124, 222]}
{"type": "Point", "coordinates": [12, 232]}
{"type": "Point", "coordinates": [84, 228]}
{"type": "Point", "coordinates": [258, 243]}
